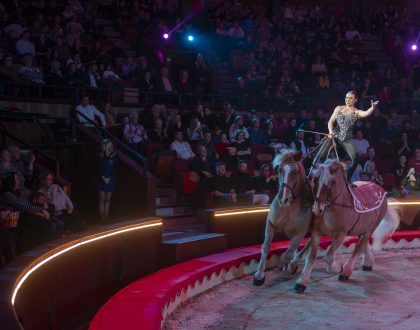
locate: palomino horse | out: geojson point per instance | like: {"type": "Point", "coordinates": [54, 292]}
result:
{"type": "Point", "coordinates": [290, 212]}
{"type": "Point", "coordinates": [339, 212]}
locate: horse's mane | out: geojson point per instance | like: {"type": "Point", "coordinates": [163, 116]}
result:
{"type": "Point", "coordinates": [328, 162]}
{"type": "Point", "coordinates": [285, 155]}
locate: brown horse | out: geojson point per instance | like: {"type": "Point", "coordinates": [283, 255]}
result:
{"type": "Point", "coordinates": [336, 216]}
{"type": "Point", "coordinates": [290, 212]}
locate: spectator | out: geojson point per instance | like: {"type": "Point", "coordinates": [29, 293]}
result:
{"type": "Point", "coordinates": [25, 166]}
{"type": "Point", "coordinates": [401, 169]}
{"type": "Point", "coordinates": [24, 46]}
{"type": "Point", "coordinates": [242, 147]}
{"type": "Point", "coordinates": [8, 220]}
{"type": "Point", "coordinates": [203, 163]}
{"type": "Point", "coordinates": [209, 144]}
{"type": "Point", "coordinates": [134, 133]}
{"type": "Point", "coordinates": [158, 134]}
{"type": "Point", "coordinates": [63, 206]}
{"type": "Point", "coordinates": [34, 225]}
{"type": "Point", "coordinates": [200, 74]}
{"type": "Point", "coordinates": [87, 113]}
{"type": "Point", "coordinates": [184, 85]}
{"type": "Point", "coordinates": [238, 125]}
{"type": "Point", "coordinates": [109, 115]}
{"type": "Point", "coordinates": [300, 144]}
{"type": "Point", "coordinates": [222, 145]}
{"type": "Point", "coordinates": [221, 187]}
{"type": "Point", "coordinates": [174, 126]}
{"type": "Point", "coordinates": [73, 75]}
{"type": "Point", "coordinates": [403, 146]}
{"type": "Point", "coordinates": [107, 161]}
{"type": "Point", "coordinates": [194, 131]}
{"type": "Point", "coordinates": [182, 148]}
{"type": "Point", "coordinates": [91, 78]}
{"type": "Point", "coordinates": [6, 165]}
{"type": "Point", "coordinates": [266, 182]}
{"type": "Point", "coordinates": [415, 161]}
{"type": "Point", "coordinates": [351, 33]}
{"type": "Point", "coordinates": [55, 76]}
{"type": "Point", "coordinates": [164, 83]}
{"type": "Point", "coordinates": [236, 31]}
{"type": "Point", "coordinates": [110, 75]}
{"type": "Point", "coordinates": [129, 67]}
{"type": "Point", "coordinates": [8, 71]}
{"type": "Point", "coordinates": [256, 133]}
{"type": "Point", "coordinates": [245, 188]}
{"type": "Point", "coordinates": [30, 73]}
{"type": "Point", "coordinates": [361, 144]}
{"type": "Point", "coordinates": [388, 133]}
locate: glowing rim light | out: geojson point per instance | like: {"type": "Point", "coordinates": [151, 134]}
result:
{"type": "Point", "coordinates": [165, 36]}
{"type": "Point", "coordinates": [38, 265]}
{"type": "Point", "coordinates": [414, 47]}
{"type": "Point", "coordinates": [190, 38]}
{"type": "Point", "coordinates": [262, 210]}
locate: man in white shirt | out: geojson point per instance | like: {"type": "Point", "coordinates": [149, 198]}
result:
{"type": "Point", "coordinates": [361, 144]}
{"type": "Point", "coordinates": [90, 112]}
{"type": "Point", "coordinates": [352, 32]}
{"type": "Point", "coordinates": [182, 148]}
{"type": "Point", "coordinates": [24, 46]}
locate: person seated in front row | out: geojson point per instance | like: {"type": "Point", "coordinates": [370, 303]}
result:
{"type": "Point", "coordinates": [266, 182]}
{"type": "Point", "coordinates": [222, 187]}
{"type": "Point", "coordinates": [63, 206]}
{"type": "Point", "coordinates": [245, 188]}
{"type": "Point", "coordinates": [39, 199]}
{"type": "Point", "coordinates": [181, 147]}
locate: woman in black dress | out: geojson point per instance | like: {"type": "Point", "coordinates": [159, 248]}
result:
{"type": "Point", "coordinates": [106, 177]}
{"type": "Point", "coordinates": [346, 117]}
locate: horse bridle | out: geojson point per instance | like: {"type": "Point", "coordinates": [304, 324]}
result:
{"type": "Point", "coordinates": [292, 189]}
{"type": "Point", "coordinates": [328, 201]}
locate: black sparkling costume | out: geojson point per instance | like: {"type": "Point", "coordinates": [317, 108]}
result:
{"type": "Point", "coordinates": [343, 133]}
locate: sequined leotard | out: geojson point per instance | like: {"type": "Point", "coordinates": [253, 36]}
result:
{"type": "Point", "coordinates": [344, 134]}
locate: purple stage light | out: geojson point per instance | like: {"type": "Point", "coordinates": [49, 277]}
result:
{"type": "Point", "coordinates": [414, 47]}
{"type": "Point", "coordinates": [165, 36]}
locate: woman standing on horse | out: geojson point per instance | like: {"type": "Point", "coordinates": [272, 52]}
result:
{"type": "Point", "coordinates": [346, 117]}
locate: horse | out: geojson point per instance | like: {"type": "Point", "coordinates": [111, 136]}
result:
{"type": "Point", "coordinates": [290, 212]}
{"type": "Point", "coordinates": [339, 212]}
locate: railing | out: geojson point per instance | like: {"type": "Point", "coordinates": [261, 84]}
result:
{"type": "Point", "coordinates": [121, 145]}
{"type": "Point", "coordinates": [37, 151]}
{"type": "Point", "coordinates": [70, 94]}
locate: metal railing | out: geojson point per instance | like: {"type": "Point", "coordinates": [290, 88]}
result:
{"type": "Point", "coordinates": [120, 144]}
{"type": "Point", "coordinates": [72, 94]}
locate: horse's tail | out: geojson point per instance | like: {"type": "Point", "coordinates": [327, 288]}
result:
{"type": "Point", "coordinates": [387, 226]}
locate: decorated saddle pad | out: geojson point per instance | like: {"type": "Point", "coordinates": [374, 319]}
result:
{"type": "Point", "coordinates": [367, 196]}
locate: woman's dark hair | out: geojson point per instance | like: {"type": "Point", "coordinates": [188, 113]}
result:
{"type": "Point", "coordinates": [8, 182]}
{"type": "Point", "coordinates": [352, 92]}
{"type": "Point", "coordinates": [262, 168]}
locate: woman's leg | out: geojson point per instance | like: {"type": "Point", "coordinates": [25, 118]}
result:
{"type": "Point", "coordinates": [351, 152]}
{"type": "Point", "coordinates": [102, 205]}
{"type": "Point", "coordinates": [107, 204]}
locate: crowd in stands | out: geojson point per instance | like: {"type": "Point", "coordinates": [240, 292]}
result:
{"type": "Point", "coordinates": [33, 209]}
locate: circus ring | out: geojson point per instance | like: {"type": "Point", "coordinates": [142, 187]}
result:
{"type": "Point", "coordinates": [148, 302]}
{"type": "Point", "coordinates": [63, 284]}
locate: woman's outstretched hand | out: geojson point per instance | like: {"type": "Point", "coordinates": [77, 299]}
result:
{"type": "Point", "coordinates": [374, 104]}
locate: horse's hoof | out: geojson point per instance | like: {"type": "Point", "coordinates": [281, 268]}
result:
{"type": "Point", "coordinates": [367, 268]}
{"type": "Point", "coordinates": [258, 282]}
{"type": "Point", "coordinates": [343, 278]}
{"type": "Point", "coordinates": [300, 288]}
{"type": "Point", "coordinates": [293, 270]}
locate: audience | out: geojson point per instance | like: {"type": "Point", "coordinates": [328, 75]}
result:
{"type": "Point", "coordinates": [181, 147]}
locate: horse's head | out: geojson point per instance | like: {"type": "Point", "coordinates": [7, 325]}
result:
{"type": "Point", "coordinates": [290, 173]}
{"type": "Point", "coordinates": [325, 178]}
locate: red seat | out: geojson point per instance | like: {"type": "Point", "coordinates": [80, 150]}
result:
{"type": "Point", "coordinates": [180, 166]}
{"type": "Point", "coordinates": [257, 148]}
{"type": "Point", "coordinates": [190, 181]}
{"type": "Point", "coordinates": [390, 180]}
{"type": "Point", "coordinates": [386, 166]}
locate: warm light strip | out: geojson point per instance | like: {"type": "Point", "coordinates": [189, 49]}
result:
{"type": "Point", "coordinates": [222, 214]}
{"type": "Point", "coordinates": [113, 233]}
{"type": "Point", "coordinates": [242, 212]}
{"type": "Point", "coordinates": [404, 203]}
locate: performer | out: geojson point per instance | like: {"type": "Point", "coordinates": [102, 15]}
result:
{"type": "Point", "coordinates": [346, 117]}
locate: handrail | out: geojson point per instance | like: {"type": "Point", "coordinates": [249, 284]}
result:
{"type": "Point", "coordinates": [182, 99]}
{"type": "Point", "coordinates": [117, 141]}
{"type": "Point", "coordinates": [38, 151]}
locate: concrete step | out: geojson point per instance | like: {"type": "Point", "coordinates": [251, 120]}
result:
{"type": "Point", "coordinates": [180, 222]}
{"type": "Point", "coordinates": [170, 210]}
{"type": "Point", "coordinates": [164, 200]}
{"type": "Point", "coordinates": [194, 246]}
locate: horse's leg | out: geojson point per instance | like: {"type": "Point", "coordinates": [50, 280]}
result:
{"type": "Point", "coordinates": [368, 258]}
{"type": "Point", "coordinates": [259, 277]}
{"type": "Point", "coordinates": [302, 281]}
{"type": "Point", "coordinates": [298, 256]}
{"type": "Point", "coordinates": [288, 255]}
{"type": "Point", "coordinates": [332, 266]}
{"type": "Point", "coordinates": [349, 265]}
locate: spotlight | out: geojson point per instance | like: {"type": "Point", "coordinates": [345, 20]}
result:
{"type": "Point", "coordinates": [414, 47]}
{"type": "Point", "coordinates": [190, 38]}
{"type": "Point", "coordinates": [165, 36]}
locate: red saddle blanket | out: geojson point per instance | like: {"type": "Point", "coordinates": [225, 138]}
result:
{"type": "Point", "coordinates": [367, 196]}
